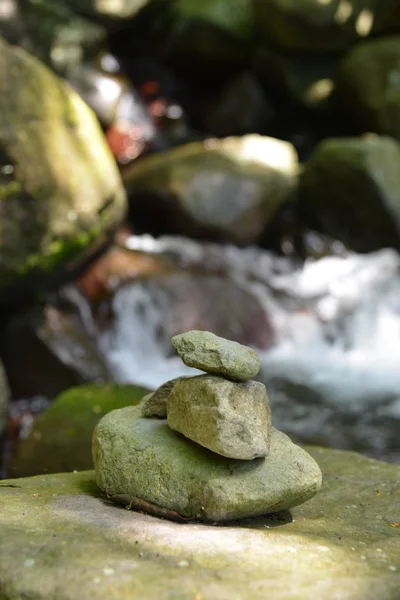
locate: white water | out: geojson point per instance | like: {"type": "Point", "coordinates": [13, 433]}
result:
{"type": "Point", "coordinates": [334, 372]}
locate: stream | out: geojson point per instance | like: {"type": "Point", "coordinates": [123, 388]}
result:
{"type": "Point", "coordinates": [327, 332]}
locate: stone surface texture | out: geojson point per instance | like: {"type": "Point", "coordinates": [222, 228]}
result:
{"type": "Point", "coordinates": [226, 189]}
{"type": "Point", "coordinates": [60, 186]}
{"type": "Point", "coordinates": [350, 190]}
{"type": "Point", "coordinates": [146, 459]}
{"type": "Point", "coordinates": [155, 404]}
{"type": "Point", "coordinates": [229, 418]}
{"type": "Point", "coordinates": [208, 352]}
{"type": "Point", "coordinates": [61, 437]}
{"type": "Point", "coordinates": [60, 539]}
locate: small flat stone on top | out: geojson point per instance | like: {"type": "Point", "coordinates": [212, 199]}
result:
{"type": "Point", "coordinates": [155, 404]}
{"type": "Point", "coordinates": [230, 418]}
{"type": "Point", "coordinates": [206, 351]}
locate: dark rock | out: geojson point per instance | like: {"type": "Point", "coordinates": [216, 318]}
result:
{"type": "Point", "coordinates": [241, 107]}
{"type": "Point", "coordinates": [314, 26]}
{"type": "Point", "coordinates": [369, 84]}
{"type": "Point", "coordinates": [350, 190]}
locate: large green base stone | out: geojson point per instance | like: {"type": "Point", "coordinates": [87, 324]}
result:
{"type": "Point", "coordinates": [230, 418]}
{"type": "Point", "coordinates": [206, 351]}
{"type": "Point", "coordinates": [60, 540]}
{"type": "Point", "coordinates": [145, 459]}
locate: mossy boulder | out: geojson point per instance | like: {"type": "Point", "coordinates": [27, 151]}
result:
{"type": "Point", "coordinates": [320, 26]}
{"type": "Point", "coordinates": [60, 190]}
{"type": "Point", "coordinates": [369, 85]}
{"type": "Point", "coordinates": [135, 457]}
{"type": "Point", "coordinates": [350, 190]}
{"type": "Point", "coordinates": [60, 539]}
{"type": "Point", "coordinates": [61, 438]}
{"type": "Point", "coordinates": [228, 189]}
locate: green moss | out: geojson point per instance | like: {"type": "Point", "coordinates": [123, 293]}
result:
{"type": "Point", "coordinates": [61, 438]}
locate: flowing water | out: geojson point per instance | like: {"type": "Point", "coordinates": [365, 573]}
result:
{"type": "Point", "coordinates": [332, 364]}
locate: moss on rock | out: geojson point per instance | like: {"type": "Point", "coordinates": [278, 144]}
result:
{"type": "Point", "coordinates": [62, 190]}
{"type": "Point", "coordinates": [61, 438]}
{"type": "Point", "coordinates": [60, 539]}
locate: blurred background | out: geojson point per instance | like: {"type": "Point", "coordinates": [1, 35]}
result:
{"type": "Point", "coordinates": [222, 165]}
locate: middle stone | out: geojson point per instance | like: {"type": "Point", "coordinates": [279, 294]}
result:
{"type": "Point", "coordinates": [229, 418]}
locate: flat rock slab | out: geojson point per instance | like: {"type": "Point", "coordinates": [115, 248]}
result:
{"type": "Point", "coordinates": [60, 539]}
{"type": "Point", "coordinates": [144, 458]}
{"type": "Point", "coordinates": [206, 351]}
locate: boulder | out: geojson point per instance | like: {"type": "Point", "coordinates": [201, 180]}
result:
{"type": "Point", "coordinates": [53, 32]}
{"type": "Point", "coordinates": [60, 539]}
{"type": "Point", "coordinates": [318, 26]}
{"type": "Point", "coordinates": [208, 352]}
{"type": "Point", "coordinates": [167, 470]}
{"type": "Point", "coordinates": [60, 188]}
{"type": "Point", "coordinates": [368, 85]}
{"type": "Point", "coordinates": [228, 189]}
{"type": "Point", "coordinates": [155, 404]}
{"type": "Point", "coordinates": [61, 438]}
{"type": "Point", "coordinates": [350, 190]}
{"type": "Point", "coordinates": [229, 418]}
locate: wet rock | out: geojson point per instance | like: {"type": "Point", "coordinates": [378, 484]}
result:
{"type": "Point", "coordinates": [368, 85]}
{"type": "Point", "coordinates": [52, 155]}
{"type": "Point", "coordinates": [350, 190]}
{"type": "Point", "coordinates": [61, 437]}
{"type": "Point", "coordinates": [208, 352]}
{"type": "Point", "coordinates": [231, 419]}
{"type": "Point", "coordinates": [240, 108]}
{"type": "Point", "coordinates": [4, 396]}
{"type": "Point", "coordinates": [155, 404]}
{"type": "Point", "coordinates": [315, 26]}
{"type": "Point", "coordinates": [54, 33]}
{"type": "Point", "coordinates": [343, 541]}
{"type": "Point", "coordinates": [226, 189]}
{"type": "Point", "coordinates": [190, 480]}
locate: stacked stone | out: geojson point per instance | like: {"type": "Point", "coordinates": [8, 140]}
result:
{"type": "Point", "coordinates": [208, 451]}
{"type": "Point", "coordinates": [223, 410]}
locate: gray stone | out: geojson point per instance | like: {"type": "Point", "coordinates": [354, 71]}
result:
{"type": "Point", "coordinates": [155, 404]}
{"type": "Point", "coordinates": [60, 539]}
{"type": "Point", "coordinates": [208, 352]}
{"type": "Point", "coordinates": [350, 190]}
{"type": "Point", "coordinates": [61, 193]}
{"type": "Point", "coordinates": [226, 189]}
{"type": "Point", "coordinates": [144, 458]}
{"type": "Point", "coordinates": [229, 418]}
